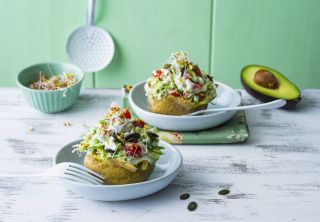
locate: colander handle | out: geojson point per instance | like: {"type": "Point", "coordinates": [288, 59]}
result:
{"type": "Point", "coordinates": [90, 12]}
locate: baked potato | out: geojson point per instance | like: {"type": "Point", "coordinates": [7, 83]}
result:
{"type": "Point", "coordinates": [171, 105]}
{"type": "Point", "coordinates": [116, 171]}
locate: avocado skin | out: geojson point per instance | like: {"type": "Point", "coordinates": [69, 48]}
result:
{"type": "Point", "coordinates": [264, 98]}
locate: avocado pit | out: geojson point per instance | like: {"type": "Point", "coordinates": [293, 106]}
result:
{"type": "Point", "coordinates": [266, 79]}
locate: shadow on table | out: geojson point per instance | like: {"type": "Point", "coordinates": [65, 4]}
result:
{"type": "Point", "coordinates": [91, 102]}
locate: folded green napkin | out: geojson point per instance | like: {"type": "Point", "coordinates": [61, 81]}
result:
{"type": "Point", "coordinates": [233, 131]}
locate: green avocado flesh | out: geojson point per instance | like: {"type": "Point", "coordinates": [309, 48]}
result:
{"type": "Point", "coordinates": [286, 90]}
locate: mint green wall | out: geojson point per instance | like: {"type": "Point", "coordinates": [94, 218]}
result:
{"type": "Point", "coordinates": [35, 31]}
{"type": "Point", "coordinates": [148, 31]}
{"type": "Point", "coordinates": [283, 34]}
{"type": "Point", "coordinates": [222, 36]}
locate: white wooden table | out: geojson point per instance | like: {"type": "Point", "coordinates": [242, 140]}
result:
{"type": "Point", "coordinates": [275, 176]}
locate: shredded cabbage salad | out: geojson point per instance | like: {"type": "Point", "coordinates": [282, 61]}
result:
{"type": "Point", "coordinates": [54, 82]}
{"type": "Point", "coordinates": [181, 78]}
{"type": "Point", "coordinates": [117, 135]}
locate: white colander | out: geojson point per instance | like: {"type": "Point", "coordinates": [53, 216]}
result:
{"type": "Point", "coordinates": [90, 47]}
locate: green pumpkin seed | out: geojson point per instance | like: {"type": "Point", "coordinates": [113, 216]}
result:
{"type": "Point", "coordinates": [192, 206]}
{"type": "Point", "coordinates": [109, 150]}
{"type": "Point", "coordinates": [116, 138]}
{"type": "Point", "coordinates": [152, 135]}
{"type": "Point", "coordinates": [126, 127]}
{"type": "Point", "coordinates": [182, 70]}
{"type": "Point", "coordinates": [166, 66]}
{"type": "Point", "coordinates": [184, 196]}
{"type": "Point", "coordinates": [224, 192]}
{"type": "Point", "coordinates": [132, 137]}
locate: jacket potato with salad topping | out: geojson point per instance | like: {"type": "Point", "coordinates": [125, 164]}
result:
{"type": "Point", "coordinates": [121, 149]}
{"type": "Point", "coordinates": [179, 87]}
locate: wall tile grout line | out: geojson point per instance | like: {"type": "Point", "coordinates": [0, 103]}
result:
{"type": "Point", "coordinates": [93, 80]}
{"type": "Point", "coordinates": [212, 36]}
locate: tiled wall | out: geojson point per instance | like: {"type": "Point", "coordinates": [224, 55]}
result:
{"type": "Point", "coordinates": [221, 35]}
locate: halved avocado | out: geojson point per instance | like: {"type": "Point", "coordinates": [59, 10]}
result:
{"type": "Point", "coordinates": [266, 84]}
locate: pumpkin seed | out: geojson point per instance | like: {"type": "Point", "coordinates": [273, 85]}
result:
{"type": "Point", "coordinates": [132, 137]}
{"type": "Point", "coordinates": [192, 80]}
{"type": "Point", "coordinates": [166, 66]}
{"type": "Point", "coordinates": [184, 196]}
{"type": "Point", "coordinates": [182, 70]}
{"type": "Point", "coordinates": [126, 127]}
{"type": "Point", "coordinates": [116, 138]}
{"type": "Point", "coordinates": [224, 192]}
{"type": "Point", "coordinates": [192, 206]}
{"type": "Point", "coordinates": [109, 150]}
{"type": "Point", "coordinates": [152, 135]}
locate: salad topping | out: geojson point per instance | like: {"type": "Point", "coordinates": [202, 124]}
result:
{"type": "Point", "coordinates": [181, 78]}
{"type": "Point", "coordinates": [118, 135]}
{"type": "Point", "coordinates": [54, 82]}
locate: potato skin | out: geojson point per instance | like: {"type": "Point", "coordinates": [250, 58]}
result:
{"type": "Point", "coordinates": [115, 174]}
{"type": "Point", "coordinates": [171, 105]}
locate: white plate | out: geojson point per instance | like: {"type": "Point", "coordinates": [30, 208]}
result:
{"type": "Point", "coordinates": [166, 170]}
{"type": "Point", "coordinates": [226, 97]}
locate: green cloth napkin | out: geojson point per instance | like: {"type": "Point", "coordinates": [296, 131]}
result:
{"type": "Point", "coordinates": [234, 131]}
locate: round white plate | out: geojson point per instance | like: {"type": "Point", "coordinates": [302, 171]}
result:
{"type": "Point", "coordinates": [226, 97]}
{"type": "Point", "coordinates": [166, 170]}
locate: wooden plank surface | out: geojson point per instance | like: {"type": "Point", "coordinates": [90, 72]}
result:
{"type": "Point", "coordinates": [275, 176]}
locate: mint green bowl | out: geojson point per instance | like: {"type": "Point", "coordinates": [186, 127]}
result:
{"type": "Point", "coordinates": [50, 101]}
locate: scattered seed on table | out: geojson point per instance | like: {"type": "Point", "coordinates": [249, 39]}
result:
{"type": "Point", "coordinates": [224, 192]}
{"type": "Point", "coordinates": [67, 123]}
{"type": "Point", "coordinates": [192, 206]}
{"type": "Point", "coordinates": [184, 196]}
{"type": "Point", "coordinates": [30, 129]}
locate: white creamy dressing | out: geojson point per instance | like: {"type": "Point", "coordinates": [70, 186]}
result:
{"type": "Point", "coordinates": [201, 80]}
{"type": "Point", "coordinates": [165, 73]}
{"type": "Point", "coordinates": [189, 85]}
{"type": "Point", "coordinates": [109, 143]}
{"type": "Point", "coordinates": [178, 80]}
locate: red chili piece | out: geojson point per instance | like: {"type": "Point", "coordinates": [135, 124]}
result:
{"type": "Point", "coordinates": [133, 149]}
{"type": "Point", "coordinates": [138, 123]}
{"type": "Point", "coordinates": [126, 114]}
